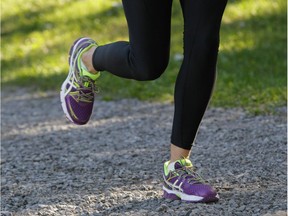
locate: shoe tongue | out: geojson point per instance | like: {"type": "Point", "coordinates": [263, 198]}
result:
{"type": "Point", "coordinates": [92, 76]}
{"type": "Point", "coordinates": [182, 162]}
{"type": "Point", "coordinates": [185, 162]}
{"type": "Point", "coordinates": [87, 82]}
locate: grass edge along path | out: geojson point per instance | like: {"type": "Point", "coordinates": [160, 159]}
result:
{"type": "Point", "coordinates": [251, 64]}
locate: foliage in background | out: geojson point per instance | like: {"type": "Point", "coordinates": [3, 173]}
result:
{"type": "Point", "coordinates": [36, 35]}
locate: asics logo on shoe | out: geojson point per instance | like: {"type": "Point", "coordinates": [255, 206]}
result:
{"type": "Point", "coordinates": [174, 186]}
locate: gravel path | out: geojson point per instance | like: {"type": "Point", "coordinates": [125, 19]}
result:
{"type": "Point", "coordinates": [113, 165]}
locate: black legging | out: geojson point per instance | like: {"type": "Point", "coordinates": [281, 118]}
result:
{"type": "Point", "coordinates": [146, 56]}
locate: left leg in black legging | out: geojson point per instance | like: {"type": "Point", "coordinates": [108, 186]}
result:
{"type": "Point", "coordinates": [202, 19]}
{"type": "Point", "coordinates": [146, 55]}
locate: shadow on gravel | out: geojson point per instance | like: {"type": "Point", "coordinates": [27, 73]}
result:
{"type": "Point", "coordinates": [113, 165]}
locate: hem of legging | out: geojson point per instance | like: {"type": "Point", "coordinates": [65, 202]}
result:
{"type": "Point", "coordinates": [93, 59]}
{"type": "Point", "coordinates": [183, 145]}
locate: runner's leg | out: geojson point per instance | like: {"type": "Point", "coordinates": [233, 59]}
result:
{"type": "Point", "coordinates": [195, 80]}
{"type": "Point", "coordinates": [146, 55]}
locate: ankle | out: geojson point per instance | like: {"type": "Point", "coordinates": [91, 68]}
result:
{"type": "Point", "coordinates": [178, 153]}
{"type": "Point", "coordinates": [87, 60]}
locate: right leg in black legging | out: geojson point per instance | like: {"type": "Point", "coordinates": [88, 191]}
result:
{"type": "Point", "coordinates": [194, 84]}
{"type": "Point", "coordinates": [146, 55]}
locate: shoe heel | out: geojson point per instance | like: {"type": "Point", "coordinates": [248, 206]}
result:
{"type": "Point", "coordinates": [167, 195]}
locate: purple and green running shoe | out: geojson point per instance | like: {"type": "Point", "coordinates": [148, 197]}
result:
{"type": "Point", "coordinates": [181, 182]}
{"type": "Point", "coordinates": [78, 90]}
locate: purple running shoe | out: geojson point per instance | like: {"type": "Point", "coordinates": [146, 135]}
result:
{"type": "Point", "coordinates": [181, 182]}
{"type": "Point", "coordinates": [77, 91]}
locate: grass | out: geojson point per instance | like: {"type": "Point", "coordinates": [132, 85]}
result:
{"type": "Point", "coordinates": [36, 35]}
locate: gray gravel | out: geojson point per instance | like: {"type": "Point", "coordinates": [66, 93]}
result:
{"type": "Point", "coordinates": [113, 165]}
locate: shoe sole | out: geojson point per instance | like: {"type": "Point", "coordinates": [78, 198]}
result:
{"type": "Point", "coordinates": [177, 195]}
{"type": "Point", "coordinates": [63, 87]}
{"type": "Point", "coordinates": [63, 102]}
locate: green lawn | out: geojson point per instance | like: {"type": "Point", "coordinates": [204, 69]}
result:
{"type": "Point", "coordinates": [36, 36]}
